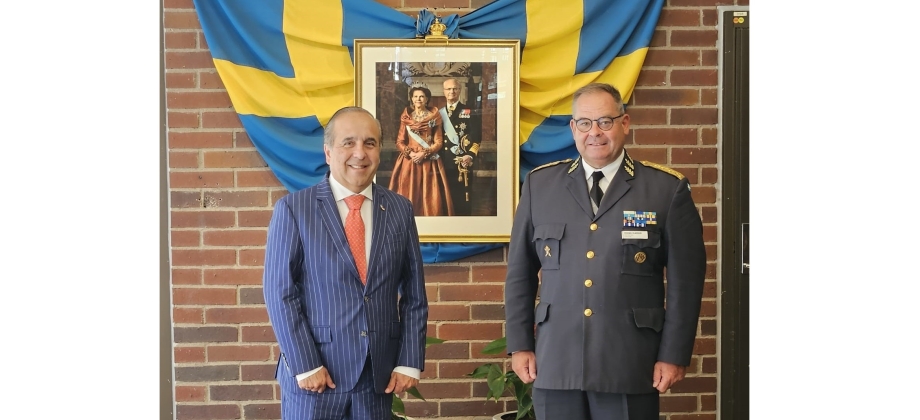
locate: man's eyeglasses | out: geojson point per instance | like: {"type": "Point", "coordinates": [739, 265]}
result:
{"type": "Point", "coordinates": [604, 123]}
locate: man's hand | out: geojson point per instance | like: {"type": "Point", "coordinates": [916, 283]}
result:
{"type": "Point", "coordinates": [666, 375]}
{"type": "Point", "coordinates": [317, 382]}
{"type": "Point", "coordinates": [524, 364]}
{"type": "Point", "coordinates": [400, 383]}
{"type": "Point", "coordinates": [467, 161]}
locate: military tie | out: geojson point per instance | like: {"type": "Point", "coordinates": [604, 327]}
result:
{"type": "Point", "coordinates": [354, 233]}
{"type": "Point", "coordinates": [596, 193]}
{"type": "Point", "coordinates": [450, 109]}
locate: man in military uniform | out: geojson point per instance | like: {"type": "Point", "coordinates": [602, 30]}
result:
{"type": "Point", "coordinates": [600, 230]}
{"type": "Point", "coordinates": [462, 136]}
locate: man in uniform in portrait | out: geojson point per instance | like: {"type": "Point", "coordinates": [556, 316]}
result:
{"type": "Point", "coordinates": [462, 137]}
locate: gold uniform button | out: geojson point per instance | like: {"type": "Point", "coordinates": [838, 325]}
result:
{"type": "Point", "coordinates": [588, 312]}
{"type": "Point", "coordinates": [639, 257]}
{"type": "Point", "coordinates": [593, 226]}
{"type": "Point", "coordinates": [589, 283]}
{"type": "Point", "coordinates": [590, 254]}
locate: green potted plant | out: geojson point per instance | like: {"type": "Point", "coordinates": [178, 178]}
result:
{"type": "Point", "coordinates": [500, 382]}
{"type": "Point", "coordinates": [399, 409]}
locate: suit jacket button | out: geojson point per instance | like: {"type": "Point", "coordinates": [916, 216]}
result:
{"type": "Point", "coordinates": [593, 226]}
{"type": "Point", "coordinates": [590, 254]}
{"type": "Point", "coordinates": [589, 283]}
{"type": "Point", "coordinates": [588, 312]}
{"type": "Point", "coordinates": [367, 298]}
{"type": "Point", "coordinates": [363, 333]}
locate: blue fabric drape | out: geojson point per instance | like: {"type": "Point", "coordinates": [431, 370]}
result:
{"type": "Point", "coordinates": [258, 39]}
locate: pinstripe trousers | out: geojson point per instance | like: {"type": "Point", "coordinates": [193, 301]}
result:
{"type": "Point", "coordinates": [360, 403]}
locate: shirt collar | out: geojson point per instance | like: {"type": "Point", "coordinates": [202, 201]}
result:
{"type": "Point", "coordinates": [340, 192]}
{"type": "Point", "coordinates": [609, 170]}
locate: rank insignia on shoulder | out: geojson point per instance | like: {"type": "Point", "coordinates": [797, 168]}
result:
{"type": "Point", "coordinates": [662, 168]}
{"type": "Point", "coordinates": [550, 164]}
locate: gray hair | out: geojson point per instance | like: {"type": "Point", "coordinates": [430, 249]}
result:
{"type": "Point", "coordinates": [329, 131]}
{"type": "Point", "coordinates": [599, 88]}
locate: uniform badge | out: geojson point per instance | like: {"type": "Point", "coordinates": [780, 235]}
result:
{"type": "Point", "coordinates": [465, 113]}
{"type": "Point", "coordinates": [546, 250]}
{"type": "Point", "coordinates": [640, 257]}
{"type": "Point", "coordinates": [463, 126]}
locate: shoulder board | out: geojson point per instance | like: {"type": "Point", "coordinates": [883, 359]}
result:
{"type": "Point", "coordinates": [551, 164]}
{"type": "Point", "coordinates": [662, 168]}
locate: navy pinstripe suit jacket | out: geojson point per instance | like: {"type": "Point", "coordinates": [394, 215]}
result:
{"type": "Point", "coordinates": [321, 313]}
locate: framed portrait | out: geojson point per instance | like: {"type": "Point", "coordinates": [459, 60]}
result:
{"type": "Point", "coordinates": [448, 112]}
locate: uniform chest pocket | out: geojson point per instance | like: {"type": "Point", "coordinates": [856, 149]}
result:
{"type": "Point", "coordinates": [547, 239]}
{"type": "Point", "coordinates": [641, 255]}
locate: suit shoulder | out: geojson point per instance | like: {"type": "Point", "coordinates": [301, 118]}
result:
{"type": "Point", "coordinates": [296, 199]}
{"type": "Point", "coordinates": [550, 165]}
{"type": "Point", "coordinates": [663, 168]}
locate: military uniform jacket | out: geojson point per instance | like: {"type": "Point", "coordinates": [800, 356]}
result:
{"type": "Point", "coordinates": [601, 322]}
{"type": "Point", "coordinates": [467, 123]}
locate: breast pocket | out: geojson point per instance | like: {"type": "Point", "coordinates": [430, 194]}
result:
{"type": "Point", "coordinates": [546, 239]}
{"type": "Point", "coordinates": [640, 255]}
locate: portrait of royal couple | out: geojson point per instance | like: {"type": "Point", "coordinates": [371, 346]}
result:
{"type": "Point", "coordinates": [437, 149]}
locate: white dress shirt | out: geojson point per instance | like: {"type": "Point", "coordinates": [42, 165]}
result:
{"type": "Point", "coordinates": [610, 170]}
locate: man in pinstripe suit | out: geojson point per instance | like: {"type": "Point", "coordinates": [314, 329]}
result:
{"type": "Point", "coordinates": [351, 333]}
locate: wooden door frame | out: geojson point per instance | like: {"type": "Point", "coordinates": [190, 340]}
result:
{"type": "Point", "coordinates": [733, 398]}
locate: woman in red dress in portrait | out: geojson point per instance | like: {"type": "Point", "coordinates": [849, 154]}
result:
{"type": "Point", "coordinates": [418, 173]}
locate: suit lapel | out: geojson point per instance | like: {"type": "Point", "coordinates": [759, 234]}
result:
{"type": "Point", "coordinates": [379, 229]}
{"type": "Point", "coordinates": [333, 221]}
{"type": "Point", "coordinates": [577, 186]}
{"type": "Point", "coordinates": [619, 186]}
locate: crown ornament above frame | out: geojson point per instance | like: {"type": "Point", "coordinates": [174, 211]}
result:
{"type": "Point", "coordinates": [436, 30]}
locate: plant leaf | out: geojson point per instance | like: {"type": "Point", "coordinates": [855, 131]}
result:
{"type": "Point", "coordinates": [398, 406]}
{"type": "Point", "coordinates": [481, 371]}
{"type": "Point", "coordinates": [496, 346]}
{"type": "Point", "coordinates": [497, 382]}
{"type": "Point", "coordinates": [433, 340]}
{"type": "Point", "coordinates": [414, 392]}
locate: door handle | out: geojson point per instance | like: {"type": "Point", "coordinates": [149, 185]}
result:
{"type": "Point", "coordinates": [745, 248]}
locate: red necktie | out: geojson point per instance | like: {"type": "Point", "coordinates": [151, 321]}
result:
{"type": "Point", "coordinates": [354, 232]}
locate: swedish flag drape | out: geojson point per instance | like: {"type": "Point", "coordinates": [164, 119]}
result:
{"type": "Point", "coordinates": [288, 66]}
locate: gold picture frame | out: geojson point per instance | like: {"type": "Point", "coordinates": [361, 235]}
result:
{"type": "Point", "coordinates": [488, 74]}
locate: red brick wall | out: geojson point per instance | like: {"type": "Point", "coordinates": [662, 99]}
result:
{"type": "Point", "coordinates": [222, 192]}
